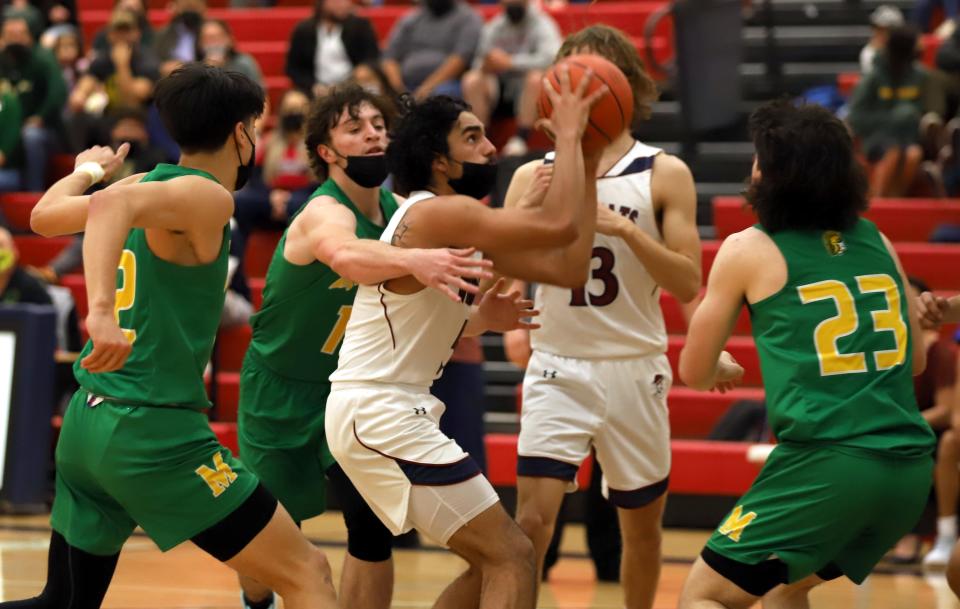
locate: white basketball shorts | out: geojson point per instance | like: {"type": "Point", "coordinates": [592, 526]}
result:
{"type": "Point", "coordinates": [387, 439]}
{"type": "Point", "coordinates": [618, 407]}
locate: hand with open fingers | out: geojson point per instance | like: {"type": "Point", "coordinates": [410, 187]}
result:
{"type": "Point", "coordinates": [729, 373]}
{"type": "Point", "coordinates": [504, 312]}
{"type": "Point", "coordinates": [571, 106]}
{"type": "Point", "coordinates": [609, 222]}
{"type": "Point", "coordinates": [447, 269]}
{"type": "Point", "coordinates": [111, 348]}
{"type": "Point", "coordinates": [109, 159]}
{"type": "Point", "coordinates": [931, 308]}
{"type": "Point", "coordinates": [537, 188]}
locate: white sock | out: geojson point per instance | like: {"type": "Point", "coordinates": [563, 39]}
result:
{"type": "Point", "coordinates": [947, 527]}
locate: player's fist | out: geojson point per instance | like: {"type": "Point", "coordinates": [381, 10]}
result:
{"type": "Point", "coordinates": [105, 156]}
{"type": "Point", "coordinates": [111, 348]}
{"type": "Point", "coordinates": [931, 308]}
{"type": "Point", "coordinates": [729, 373]}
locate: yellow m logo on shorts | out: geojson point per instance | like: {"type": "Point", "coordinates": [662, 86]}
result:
{"type": "Point", "coordinates": [736, 523]}
{"type": "Point", "coordinates": [218, 479]}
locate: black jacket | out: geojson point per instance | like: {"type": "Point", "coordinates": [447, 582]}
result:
{"type": "Point", "coordinates": [358, 37]}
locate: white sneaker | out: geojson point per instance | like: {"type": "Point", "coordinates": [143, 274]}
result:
{"type": "Point", "coordinates": [939, 554]}
{"type": "Point", "coordinates": [515, 146]}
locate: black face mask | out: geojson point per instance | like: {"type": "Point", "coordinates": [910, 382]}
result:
{"type": "Point", "coordinates": [439, 8]}
{"type": "Point", "coordinates": [292, 122]}
{"type": "Point", "coordinates": [191, 19]}
{"type": "Point", "coordinates": [477, 180]}
{"type": "Point", "coordinates": [244, 171]}
{"type": "Point", "coordinates": [367, 171]}
{"type": "Point", "coordinates": [516, 13]}
{"type": "Point", "coordinates": [19, 54]}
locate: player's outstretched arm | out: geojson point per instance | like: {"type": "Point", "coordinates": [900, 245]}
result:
{"type": "Point", "coordinates": [675, 263]}
{"type": "Point", "coordinates": [919, 362]}
{"type": "Point", "coordinates": [62, 210]}
{"type": "Point", "coordinates": [330, 232]}
{"type": "Point", "coordinates": [701, 364]}
{"type": "Point", "coordinates": [192, 205]}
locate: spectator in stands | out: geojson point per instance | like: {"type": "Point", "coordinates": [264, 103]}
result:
{"type": "Point", "coordinates": [922, 15]}
{"type": "Point", "coordinates": [176, 44]}
{"type": "Point", "coordinates": [138, 7]}
{"type": "Point", "coordinates": [885, 112]}
{"type": "Point", "coordinates": [330, 47]}
{"type": "Point", "coordinates": [122, 79]}
{"type": "Point", "coordinates": [32, 72]}
{"type": "Point", "coordinates": [11, 117]}
{"type": "Point", "coordinates": [218, 48]}
{"type": "Point", "coordinates": [882, 19]}
{"type": "Point", "coordinates": [515, 48]}
{"type": "Point", "coordinates": [68, 52]}
{"type": "Point", "coordinates": [431, 47]}
{"type": "Point", "coordinates": [16, 285]}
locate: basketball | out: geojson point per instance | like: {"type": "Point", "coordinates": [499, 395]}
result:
{"type": "Point", "coordinates": [611, 114]}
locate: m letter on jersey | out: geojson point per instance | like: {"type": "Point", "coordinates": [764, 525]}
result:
{"type": "Point", "coordinates": [342, 284]}
{"type": "Point", "coordinates": [736, 523]}
{"type": "Point", "coordinates": [218, 479]}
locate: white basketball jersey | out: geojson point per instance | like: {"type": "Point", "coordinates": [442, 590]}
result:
{"type": "Point", "coordinates": [400, 338]}
{"type": "Point", "coordinates": [617, 314]}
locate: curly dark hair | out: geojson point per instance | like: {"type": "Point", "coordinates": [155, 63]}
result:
{"type": "Point", "coordinates": [324, 114]}
{"type": "Point", "coordinates": [810, 179]}
{"type": "Point", "coordinates": [419, 138]}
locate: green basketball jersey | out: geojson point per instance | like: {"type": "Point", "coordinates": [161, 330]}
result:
{"type": "Point", "coordinates": [170, 313]}
{"type": "Point", "coordinates": [835, 345]}
{"type": "Point", "coordinates": [298, 331]}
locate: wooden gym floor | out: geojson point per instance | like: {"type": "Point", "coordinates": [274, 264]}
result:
{"type": "Point", "coordinates": [186, 578]}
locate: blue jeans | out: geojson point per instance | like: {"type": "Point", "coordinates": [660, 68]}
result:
{"type": "Point", "coordinates": [38, 143]}
{"type": "Point", "coordinates": [9, 180]}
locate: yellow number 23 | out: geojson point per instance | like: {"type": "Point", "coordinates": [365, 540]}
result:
{"type": "Point", "coordinates": [846, 322]}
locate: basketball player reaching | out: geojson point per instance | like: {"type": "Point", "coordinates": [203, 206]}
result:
{"type": "Point", "coordinates": [606, 385]}
{"type": "Point", "coordinates": [382, 422]}
{"type": "Point", "coordinates": [332, 245]}
{"type": "Point", "coordinates": [136, 447]}
{"type": "Point", "coordinates": [834, 321]}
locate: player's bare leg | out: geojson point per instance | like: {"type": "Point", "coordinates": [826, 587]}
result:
{"type": "Point", "coordinates": [707, 589]}
{"type": "Point", "coordinates": [953, 570]}
{"type": "Point", "coordinates": [365, 584]}
{"type": "Point", "coordinates": [792, 596]}
{"type": "Point", "coordinates": [501, 558]}
{"type": "Point", "coordinates": [254, 591]}
{"type": "Point", "coordinates": [538, 504]}
{"type": "Point", "coordinates": [640, 566]}
{"type": "Point", "coordinates": [281, 557]}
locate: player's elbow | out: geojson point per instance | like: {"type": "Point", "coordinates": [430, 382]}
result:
{"type": "Point", "coordinates": [40, 223]}
{"type": "Point", "coordinates": [689, 291]}
{"type": "Point", "coordinates": [562, 232]}
{"type": "Point", "coordinates": [345, 263]}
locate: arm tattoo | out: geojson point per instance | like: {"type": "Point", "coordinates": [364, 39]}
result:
{"type": "Point", "coordinates": [397, 238]}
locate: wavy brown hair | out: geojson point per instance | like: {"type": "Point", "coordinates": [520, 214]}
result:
{"type": "Point", "coordinates": [613, 44]}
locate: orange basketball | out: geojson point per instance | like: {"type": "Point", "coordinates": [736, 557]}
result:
{"type": "Point", "coordinates": [611, 114]}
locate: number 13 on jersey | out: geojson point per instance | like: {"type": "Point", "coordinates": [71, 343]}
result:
{"type": "Point", "coordinates": [847, 321]}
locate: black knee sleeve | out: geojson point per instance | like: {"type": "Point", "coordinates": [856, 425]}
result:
{"type": "Point", "coordinates": [75, 579]}
{"type": "Point", "coordinates": [367, 538]}
{"type": "Point", "coordinates": [228, 537]}
{"type": "Point", "coordinates": [755, 579]}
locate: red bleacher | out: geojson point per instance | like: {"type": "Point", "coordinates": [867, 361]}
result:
{"type": "Point", "coordinates": [899, 219]}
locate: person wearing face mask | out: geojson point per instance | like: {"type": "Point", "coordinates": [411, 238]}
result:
{"type": "Point", "coordinates": [163, 239]}
{"type": "Point", "coordinates": [331, 46]}
{"type": "Point", "coordinates": [177, 43]}
{"type": "Point", "coordinates": [32, 72]}
{"type": "Point", "coordinates": [515, 47]}
{"type": "Point", "coordinates": [430, 47]}
{"type": "Point", "coordinates": [217, 48]}
{"type": "Point", "coordinates": [101, 45]}
{"type": "Point", "coordinates": [331, 246]}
